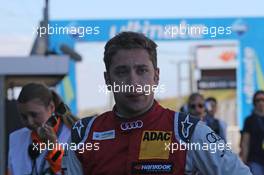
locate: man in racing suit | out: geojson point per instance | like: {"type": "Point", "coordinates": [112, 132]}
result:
{"type": "Point", "coordinates": [139, 136]}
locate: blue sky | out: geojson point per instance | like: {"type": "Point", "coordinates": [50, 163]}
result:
{"type": "Point", "coordinates": [19, 17]}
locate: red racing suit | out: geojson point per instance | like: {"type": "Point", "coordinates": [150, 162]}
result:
{"type": "Point", "coordinates": [147, 144]}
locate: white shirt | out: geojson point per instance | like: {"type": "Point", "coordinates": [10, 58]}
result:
{"type": "Point", "coordinates": [19, 162]}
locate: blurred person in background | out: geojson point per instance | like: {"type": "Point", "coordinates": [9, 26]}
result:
{"type": "Point", "coordinates": [47, 120]}
{"type": "Point", "coordinates": [184, 108]}
{"type": "Point", "coordinates": [211, 109]}
{"type": "Point", "coordinates": [252, 141]}
{"type": "Point", "coordinates": [196, 106]}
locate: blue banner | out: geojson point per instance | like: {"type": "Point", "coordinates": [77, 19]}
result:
{"type": "Point", "coordinates": [248, 31]}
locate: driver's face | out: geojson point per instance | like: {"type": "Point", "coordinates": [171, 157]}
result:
{"type": "Point", "coordinates": [131, 69]}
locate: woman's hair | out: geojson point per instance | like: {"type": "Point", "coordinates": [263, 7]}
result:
{"type": "Point", "coordinates": [45, 95]}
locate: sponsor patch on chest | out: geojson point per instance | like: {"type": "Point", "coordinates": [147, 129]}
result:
{"type": "Point", "coordinates": [105, 135]}
{"type": "Point", "coordinates": [152, 168]}
{"type": "Point", "coordinates": [153, 145]}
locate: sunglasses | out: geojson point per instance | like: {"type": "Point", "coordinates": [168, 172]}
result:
{"type": "Point", "coordinates": [193, 106]}
{"type": "Point", "coordinates": [257, 100]}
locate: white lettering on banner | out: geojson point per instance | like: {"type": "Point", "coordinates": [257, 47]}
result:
{"type": "Point", "coordinates": [249, 62]}
{"type": "Point", "coordinates": [181, 30]}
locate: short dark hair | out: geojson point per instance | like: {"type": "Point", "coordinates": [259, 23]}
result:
{"type": "Point", "coordinates": [193, 96]}
{"type": "Point", "coordinates": [45, 95]}
{"type": "Point", "coordinates": [129, 40]}
{"type": "Point", "coordinates": [36, 91]}
{"type": "Point", "coordinates": [256, 94]}
{"type": "Point", "coordinates": [213, 99]}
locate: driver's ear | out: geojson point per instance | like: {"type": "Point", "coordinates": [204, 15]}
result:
{"type": "Point", "coordinates": [107, 80]}
{"type": "Point", "coordinates": [51, 107]}
{"type": "Point", "coordinates": [156, 75]}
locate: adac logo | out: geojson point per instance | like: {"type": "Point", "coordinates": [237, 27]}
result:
{"type": "Point", "coordinates": [152, 145]}
{"type": "Point", "coordinates": [156, 136]}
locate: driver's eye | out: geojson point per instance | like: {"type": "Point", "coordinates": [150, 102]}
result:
{"type": "Point", "coordinates": [24, 117]}
{"type": "Point", "coordinates": [121, 72]}
{"type": "Point", "coordinates": [142, 71]}
{"type": "Point", "coordinates": [33, 114]}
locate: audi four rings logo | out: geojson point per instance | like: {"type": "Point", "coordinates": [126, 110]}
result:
{"type": "Point", "coordinates": [131, 125]}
